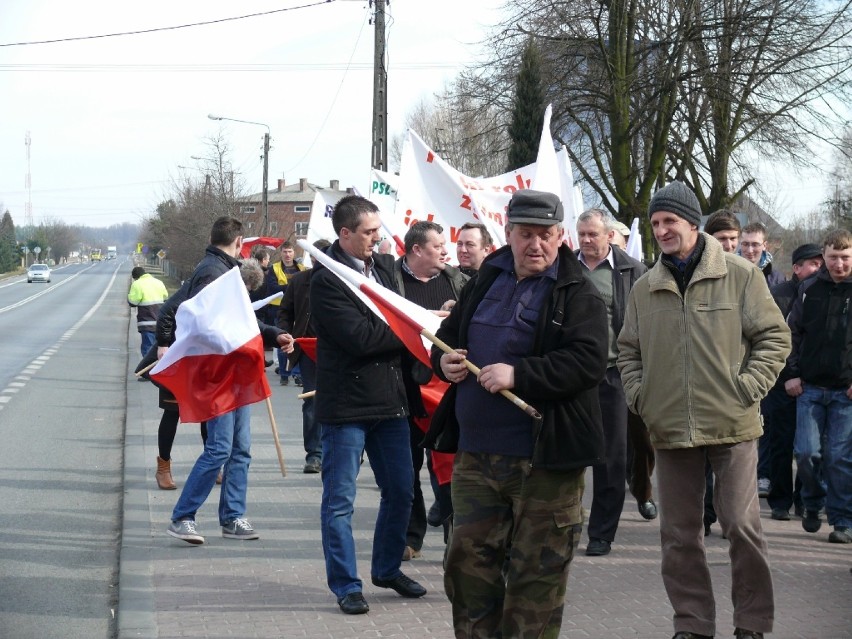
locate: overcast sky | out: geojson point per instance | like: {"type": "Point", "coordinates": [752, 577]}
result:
{"type": "Point", "coordinates": [112, 119]}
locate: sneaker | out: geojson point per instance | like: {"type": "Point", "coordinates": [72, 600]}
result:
{"type": "Point", "coordinates": [811, 522]}
{"type": "Point", "coordinates": [312, 466]}
{"type": "Point", "coordinates": [841, 535]}
{"type": "Point", "coordinates": [185, 529]}
{"type": "Point", "coordinates": [284, 381]}
{"type": "Point", "coordinates": [763, 487]}
{"type": "Point", "coordinates": [239, 529]}
{"type": "Point", "coordinates": [780, 514]}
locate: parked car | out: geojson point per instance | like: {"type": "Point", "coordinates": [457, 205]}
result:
{"type": "Point", "coordinates": [38, 273]}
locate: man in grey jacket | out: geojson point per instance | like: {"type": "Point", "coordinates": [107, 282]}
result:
{"type": "Point", "coordinates": [702, 343]}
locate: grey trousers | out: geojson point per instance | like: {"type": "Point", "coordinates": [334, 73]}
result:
{"type": "Point", "coordinates": [686, 576]}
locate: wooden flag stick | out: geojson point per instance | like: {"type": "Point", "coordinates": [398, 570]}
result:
{"type": "Point", "coordinates": [146, 369]}
{"type": "Point", "coordinates": [306, 395]}
{"type": "Point", "coordinates": [517, 401]}
{"type": "Point", "coordinates": [275, 437]}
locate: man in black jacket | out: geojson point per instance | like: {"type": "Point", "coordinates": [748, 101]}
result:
{"type": "Point", "coordinates": [820, 368]}
{"type": "Point", "coordinates": [613, 272]}
{"type": "Point", "coordinates": [362, 407]}
{"type": "Point", "coordinates": [228, 441]}
{"type": "Point", "coordinates": [536, 327]}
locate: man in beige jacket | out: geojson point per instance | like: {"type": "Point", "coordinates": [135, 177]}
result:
{"type": "Point", "coordinates": [701, 345]}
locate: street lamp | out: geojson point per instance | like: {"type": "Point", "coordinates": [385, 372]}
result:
{"type": "Point", "coordinates": [265, 196]}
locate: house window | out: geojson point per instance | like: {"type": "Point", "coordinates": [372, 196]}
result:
{"type": "Point", "coordinates": [247, 210]}
{"type": "Point", "coordinates": [302, 209]}
{"type": "Point", "coordinates": [273, 228]}
{"type": "Point", "coordinates": [301, 229]}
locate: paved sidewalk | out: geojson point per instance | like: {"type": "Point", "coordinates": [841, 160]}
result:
{"type": "Point", "coordinates": [275, 587]}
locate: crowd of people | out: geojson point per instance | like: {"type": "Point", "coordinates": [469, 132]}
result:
{"type": "Point", "coordinates": [708, 368]}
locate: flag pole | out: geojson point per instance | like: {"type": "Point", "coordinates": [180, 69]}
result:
{"type": "Point", "coordinates": [517, 401]}
{"type": "Point", "coordinates": [275, 437]}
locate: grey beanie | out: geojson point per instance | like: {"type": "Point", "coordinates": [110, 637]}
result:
{"type": "Point", "coordinates": [676, 197]}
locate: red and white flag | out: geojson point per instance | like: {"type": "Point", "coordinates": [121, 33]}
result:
{"type": "Point", "coordinates": [249, 242]}
{"type": "Point", "coordinates": [216, 364]}
{"type": "Point", "coordinates": [406, 319]}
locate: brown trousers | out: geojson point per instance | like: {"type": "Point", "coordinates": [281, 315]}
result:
{"type": "Point", "coordinates": [680, 485]}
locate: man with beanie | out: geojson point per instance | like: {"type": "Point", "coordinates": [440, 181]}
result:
{"type": "Point", "coordinates": [702, 331]}
{"type": "Point", "coordinates": [537, 327]}
{"type": "Point", "coordinates": [779, 408]}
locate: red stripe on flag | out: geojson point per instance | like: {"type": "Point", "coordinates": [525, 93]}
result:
{"type": "Point", "coordinates": [430, 156]}
{"type": "Point", "coordinates": [207, 386]}
{"type": "Point", "coordinates": [403, 326]}
{"type": "Point", "coordinates": [308, 346]}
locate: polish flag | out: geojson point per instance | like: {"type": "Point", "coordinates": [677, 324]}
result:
{"type": "Point", "coordinates": [216, 364]}
{"type": "Point", "coordinates": [249, 242]}
{"type": "Point", "coordinates": [308, 346]}
{"type": "Point", "coordinates": [406, 319]}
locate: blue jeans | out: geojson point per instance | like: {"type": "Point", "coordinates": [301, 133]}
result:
{"type": "Point", "coordinates": [311, 431]}
{"type": "Point", "coordinates": [149, 338]}
{"type": "Point", "coordinates": [824, 452]}
{"type": "Point", "coordinates": [228, 444]}
{"type": "Point", "coordinates": [386, 443]}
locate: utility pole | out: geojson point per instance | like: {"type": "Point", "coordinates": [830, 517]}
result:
{"type": "Point", "coordinates": [28, 184]}
{"type": "Point", "coordinates": [265, 228]}
{"type": "Point", "coordinates": [380, 91]}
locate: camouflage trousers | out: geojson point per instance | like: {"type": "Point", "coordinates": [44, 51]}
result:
{"type": "Point", "coordinates": [513, 537]}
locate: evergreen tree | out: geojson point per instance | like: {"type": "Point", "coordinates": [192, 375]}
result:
{"type": "Point", "coordinates": [527, 110]}
{"type": "Point", "coordinates": [8, 244]}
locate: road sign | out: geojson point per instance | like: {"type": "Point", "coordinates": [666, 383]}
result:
{"type": "Point", "coordinates": [161, 254]}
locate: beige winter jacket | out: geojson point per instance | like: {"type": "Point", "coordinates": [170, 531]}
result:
{"type": "Point", "coordinates": [695, 367]}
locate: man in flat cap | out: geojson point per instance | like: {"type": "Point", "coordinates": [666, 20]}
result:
{"type": "Point", "coordinates": [537, 327]}
{"type": "Point", "coordinates": [702, 343]}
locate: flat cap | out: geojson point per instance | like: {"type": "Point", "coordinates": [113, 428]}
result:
{"type": "Point", "coordinates": [535, 207]}
{"type": "Point", "coordinates": [806, 252]}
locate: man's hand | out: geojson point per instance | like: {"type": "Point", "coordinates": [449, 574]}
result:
{"type": "Point", "coordinates": [285, 342]}
{"type": "Point", "coordinates": [452, 365]}
{"type": "Point", "coordinates": [497, 377]}
{"type": "Point", "coordinates": [161, 350]}
{"type": "Point", "coordinates": [794, 387]}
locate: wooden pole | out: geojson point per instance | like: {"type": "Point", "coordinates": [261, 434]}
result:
{"type": "Point", "coordinates": [275, 437]}
{"type": "Point", "coordinates": [517, 401]}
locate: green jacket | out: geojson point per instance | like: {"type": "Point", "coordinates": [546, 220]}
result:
{"type": "Point", "coordinates": [695, 367]}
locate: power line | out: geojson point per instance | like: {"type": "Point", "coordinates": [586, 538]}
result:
{"type": "Point", "coordinates": [172, 28]}
{"type": "Point", "coordinates": [218, 68]}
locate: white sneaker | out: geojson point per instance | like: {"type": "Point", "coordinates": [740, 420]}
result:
{"type": "Point", "coordinates": [239, 529]}
{"type": "Point", "coordinates": [763, 487]}
{"type": "Point", "coordinates": [185, 529]}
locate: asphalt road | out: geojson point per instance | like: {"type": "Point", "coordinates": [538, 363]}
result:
{"type": "Point", "coordinates": [62, 416]}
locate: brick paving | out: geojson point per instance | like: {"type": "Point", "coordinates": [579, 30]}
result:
{"type": "Point", "coordinates": [275, 587]}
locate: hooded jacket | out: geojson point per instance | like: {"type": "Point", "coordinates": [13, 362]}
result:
{"type": "Point", "coordinates": [696, 365]}
{"type": "Point", "coordinates": [559, 377]}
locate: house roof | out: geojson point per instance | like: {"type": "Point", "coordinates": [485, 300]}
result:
{"type": "Point", "coordinates": [298, 192]}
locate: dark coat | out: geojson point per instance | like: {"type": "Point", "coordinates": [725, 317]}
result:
{"type": "Point", "coordinates": [821, 332]}
{"type": "Point", "coordinates": [294, 312]}
{"type": "Point", "coordinates": [559, 377]}
{"type": "Point", "coordinates": [359, 359]}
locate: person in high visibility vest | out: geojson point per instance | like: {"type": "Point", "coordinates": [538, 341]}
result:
{"type": "Point", "coordinates": [276, 280]}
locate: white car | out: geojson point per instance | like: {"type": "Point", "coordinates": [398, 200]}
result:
{"type": "Point", "coordinates": [38, 273]}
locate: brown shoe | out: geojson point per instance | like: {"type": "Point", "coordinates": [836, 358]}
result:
{"type": "Point", "coordinates": [164, 474]}
{"type": "Point", "coordinates": [409, 553]}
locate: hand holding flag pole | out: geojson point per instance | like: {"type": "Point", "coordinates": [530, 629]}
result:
{"type": "Point", "coordinates": [409, 322]}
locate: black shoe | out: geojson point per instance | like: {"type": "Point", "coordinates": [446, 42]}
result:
{"type": "Point", "coordinates": [690, 635]}
{"type": "Point", "coordinates": [798, 509]}
{"type": "Point", "coordinates": [648, 510]}
{"type": "Point", "coordinates": [403, 585]}
{"type": "Point", "coordinates": [284, 381]}
{"type": "Point", "coordinates": [354, 604]}
{"type": "Point", "coordinates": [707, 529]}
{"type": "Point", "coordinates": [297, 380]}
{"type": "Point", "coordinates": [780, 514]}
{"type": "Point", "coordinates": [598, 548]}
{"type": "Point", "coordinates": [811, 522]}
{"type": "Point", "coordinates": [841, 535]}
{"type": "Point", "coordinates": [312, 466]}
{"type": "Point", "coordinates": [268, 362]}
{"type": "Point", "coordinates": [433, 517]}
{"type": "Point", "coordinates": [741, 633]}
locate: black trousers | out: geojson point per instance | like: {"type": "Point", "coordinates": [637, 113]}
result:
{"type": "Point", "coordinates": [610, 477]}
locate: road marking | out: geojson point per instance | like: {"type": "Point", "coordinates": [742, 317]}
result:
{"type": "Point", "coordinates": [34, 366]}
{"type": "Point", "coordinates": [29, 299]}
